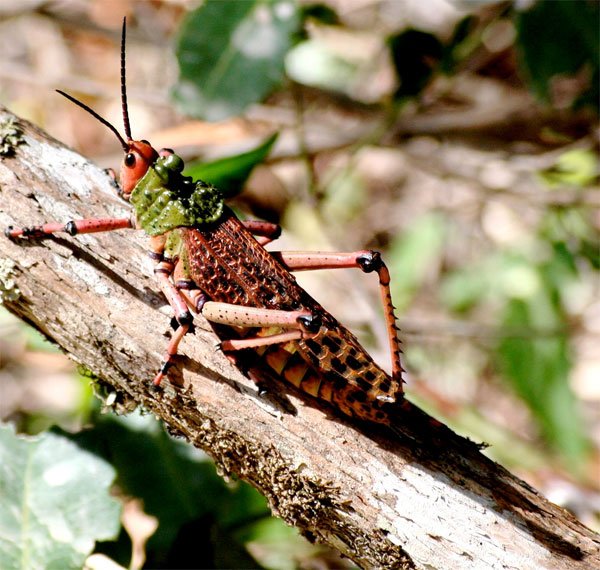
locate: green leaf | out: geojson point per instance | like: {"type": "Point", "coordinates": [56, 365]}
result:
{"type": "Point", "coordinates": [55, 503]}
{"type": "Point", "coordinates": [321, 13]}
{"type": "Point", "coordinates": [465, 39]}
{"type": "Point", "coordinates": [231, 54]}
{"type": "Point", "coordinates": [229, 174]}
{"type": "Point", "coordinates": [558, 38]}
{"type": "Point", "coordinates": [465, 287]}
{"type": "Point", "coordinates": [577, 167]}
{"type": "Point", "coordinates": [178, 485]}
{"type": "Point", "coordinates": [278, 546]}
{"type": "Point", "coordinates": [313, 62]}
{"type": "Point", "coordinates": [538, 366]}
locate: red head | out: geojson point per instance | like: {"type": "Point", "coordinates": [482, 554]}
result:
{"type": "Point", "coordinates": [139, 155]}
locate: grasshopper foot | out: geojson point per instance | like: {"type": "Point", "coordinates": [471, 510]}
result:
{"type": "Point", "coordinates": [162, 373]}
{"type": "Point", "coordinates": [8, 232]}
{"type": "Point", "coordinates": [13, 233]}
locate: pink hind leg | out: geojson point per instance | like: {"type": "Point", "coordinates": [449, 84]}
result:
{"type": "Point", "coordinates": [366, 260]}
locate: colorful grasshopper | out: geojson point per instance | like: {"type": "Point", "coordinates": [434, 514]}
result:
{"type": "Point", "coordinates": [209, 261]}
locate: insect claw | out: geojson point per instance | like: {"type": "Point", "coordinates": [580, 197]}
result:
{"type": "Point", "coordinates": [32, 232]}
{"type": "Point", "coordinates": [162, 373]}
{"type": "Point", "coordinates": [13, 234]}
{"type": "Point", "coordinates": [113, 177]}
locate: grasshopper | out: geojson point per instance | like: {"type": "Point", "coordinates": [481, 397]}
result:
{"type": "Point", "coordinates": [209, 262]}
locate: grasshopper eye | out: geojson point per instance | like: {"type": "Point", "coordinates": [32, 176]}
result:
{"type": "Point", "coordinates": [129, 159]}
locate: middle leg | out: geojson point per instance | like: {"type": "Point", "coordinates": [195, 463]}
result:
{"type": "Point", "coordinates": [295, 324]}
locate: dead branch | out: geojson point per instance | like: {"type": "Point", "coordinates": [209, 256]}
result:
{"type": "Point", "coordinates": [413, 499]}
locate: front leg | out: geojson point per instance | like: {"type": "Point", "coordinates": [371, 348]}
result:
{"type": "Point", "coordinates": [295, 325]}
{"type": "Point", "coordinates": [181, 293]}
{"type": "Point", "coordinates": [168, 272]}
{"type": "Point", "coordinates": [72, 227]}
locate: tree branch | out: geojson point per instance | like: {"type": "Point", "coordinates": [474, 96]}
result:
{"type": "Point", "coordinates": [419, 498]}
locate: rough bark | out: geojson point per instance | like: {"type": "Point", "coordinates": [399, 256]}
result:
{"type": "Point", "coordinates": [418, 498]}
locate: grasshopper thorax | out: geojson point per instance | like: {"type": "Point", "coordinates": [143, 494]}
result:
{"type": "Point", "coordinates": [165, 199]}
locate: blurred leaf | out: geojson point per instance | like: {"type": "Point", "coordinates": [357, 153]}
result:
{"type": "Point", "coordinates": [230, 174]}
{"type": "Point", "coordinates": [465, 287]}
{"type": "Point", "coordinates": [322, 13]}
{"type": "Point", "coordinates": [278, 546]}
{"type": "Point", "coordinates": [313, 62]}
{"type": "Point", "coordinates": [344, 195]}
{"type": "Point", "coordinates": [538, 366]}
{"type": "Point", "coordinates": [179, 486]}
{"type": "Point", "coordinates": [577, 167]}
{"type": "Point", "coordinates": [303, 220]}
{"type": "Point", "coordinates": [496, 277]}
{"type": "Point", "coordinates": [576, 227]}
{"type": "Point", "coordinates": [56, 502]}
{"type": "Point", "coordinates": [415, 56]}
{"type": "Point", "coordinates": [558, 38]}
{"type": "Point", "coordinates": [412, 254]}
{"type": "Point", "coordinates": [231, 54]}
{"type": "Point", "coordinates": [37, 342]}
{"type": "Point", "coordinates": [460, 46]}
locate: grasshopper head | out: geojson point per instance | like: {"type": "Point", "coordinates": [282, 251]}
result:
{"type": "Point", "coordinates": [139, 156]}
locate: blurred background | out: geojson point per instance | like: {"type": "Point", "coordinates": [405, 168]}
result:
{"type": "Point", "coordinates": [458, 137]}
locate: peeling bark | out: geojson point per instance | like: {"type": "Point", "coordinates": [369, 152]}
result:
{"type": "Point", "coordinates": [419, 498]}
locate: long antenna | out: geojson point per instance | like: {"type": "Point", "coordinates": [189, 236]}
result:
{"type": "Point", "coordinates": [97, 116]}
{"type": "Point", "coordinates": [123, 99]}
{"type": "Point", "coordinates": [126, 124]}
